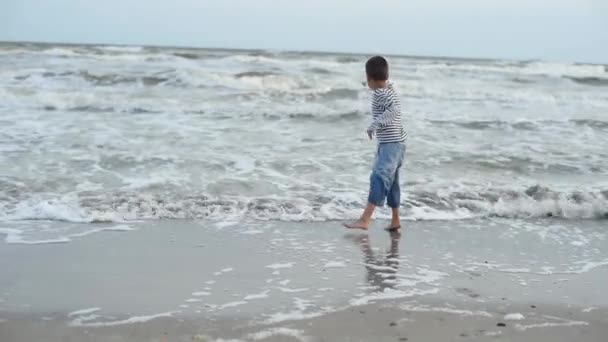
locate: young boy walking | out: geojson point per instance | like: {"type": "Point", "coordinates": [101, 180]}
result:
{"type": "Point", "coordinates": [387, 126]}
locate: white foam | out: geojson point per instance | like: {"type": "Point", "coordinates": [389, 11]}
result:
{"type": "Point", "coordinates": [295, 208]}
{"type": "Point", "coordinates": [193, 300]}
{"type": "Point", "coordinates": [232, 304]}
{"type": "Point", "coordinates": [10, 234]}
{"type": "Point", "coordinates": [297, 315]}
{"type": "Point", "coordinates": [130, 320]}
{"type": "Point", "coordinates": [588, 266]}
{"type": "Point", "coordinates": [335, 264]}
{"type": "Point", "coordinates": [85, 318]}
{"type": "Point", "coordinates": [448, 310]}
{"type": "Point", "coordinates": [14, 236]}
{"type": "Point", "coordinates": [83, 312]}
{"type": "Point", "coordinates": [257, 296]}
{"type": "Point", "coordinates": [578, 267]}
{"type": "Point", "coordinates": [132, 49]}
{"type": "Point", "coordinates": [224, 224]}
{"type": "Point", "coordinates": [589, 309]}
{"type": "Point", "coordinates": [302, 304]}
{"type": "Point", "coordinates": [265, 334]}
{"type": "Point", "coordinates": [201, 293]}
{"type": "Point", "coordinates": [516, 270]}
{"type": "Point", "coordinates": [390, 294]}
{"type": "Point", "coordinates": [116, 228]}
{"type": "Point", "coordinates": [45, 210]}
{"type": "Point", "coordinates": [290, 290]}
{"type": "Point", "coordinates": [281, 266]}
{"type": "Point", "coordinates": [521, 327]}
{"type": "Point", "coordinates": [564, 69]}
{"type": "Point", "coordinates": [59, 51]}
{"type": "Point", "coordinates": [252, 232]}
{"type": "Point", "coordinates": [422, 276]}
{"type": "Point", "coordinates": [514, 317]}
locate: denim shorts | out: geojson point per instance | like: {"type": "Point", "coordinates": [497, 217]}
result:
{"type": "Point", "coordinates": [384, 181]}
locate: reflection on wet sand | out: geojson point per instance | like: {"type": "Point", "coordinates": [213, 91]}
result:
{"type": "Point", "coordinates": [381, 268]}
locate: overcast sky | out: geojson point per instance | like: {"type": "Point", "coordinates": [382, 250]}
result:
{"type": "Point", "coordinates": [561, 30]}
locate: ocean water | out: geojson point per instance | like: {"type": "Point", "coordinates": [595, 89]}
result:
{"type": "Point", "coordinates": [120, 134]}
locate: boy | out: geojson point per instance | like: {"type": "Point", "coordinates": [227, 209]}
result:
{"type": "Point", "coordinates": [388, 129]}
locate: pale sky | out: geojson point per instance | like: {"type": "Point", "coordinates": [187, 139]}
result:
{"type": "Point", "coordinates": [555, 30]}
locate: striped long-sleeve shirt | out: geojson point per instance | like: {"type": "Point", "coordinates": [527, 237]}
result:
{"type": "Point", "coordinates": [386, 116]}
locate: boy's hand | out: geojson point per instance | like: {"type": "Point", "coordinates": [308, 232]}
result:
{"type": "Point", "coordinates": [370, 134]}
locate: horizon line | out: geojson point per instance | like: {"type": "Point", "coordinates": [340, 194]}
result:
{"type": "Point", "coordinates": [319, 52]}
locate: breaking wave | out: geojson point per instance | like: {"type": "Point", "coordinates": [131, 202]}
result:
{"type": "Point", "coordinates": [590, 81]}
{"type": "Point", "coordinates": [533, 202]}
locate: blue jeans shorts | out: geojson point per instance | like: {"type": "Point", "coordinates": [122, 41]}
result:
{"type": "Point", "coordinates": [384, 181]}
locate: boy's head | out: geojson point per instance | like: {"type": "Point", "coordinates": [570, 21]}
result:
{"type": "Point", "coordinates": [376, 69]}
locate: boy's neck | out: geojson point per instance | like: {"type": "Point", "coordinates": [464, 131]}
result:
{"type": "Point", "coordinates": [379, 85]}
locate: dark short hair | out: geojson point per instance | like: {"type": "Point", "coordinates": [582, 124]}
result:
{"type": "Point", "coordinates": [377, 68]}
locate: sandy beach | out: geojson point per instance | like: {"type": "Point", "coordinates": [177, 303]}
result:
{"type": "Point", "coordinates": [476, 280]}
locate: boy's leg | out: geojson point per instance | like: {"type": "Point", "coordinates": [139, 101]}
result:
{"type": "Point", "coordinates": [381, 180]}
{"type": "Point", "coordinates": [394, 195]}
{"type": "Point", "coordinates": [394, 200]}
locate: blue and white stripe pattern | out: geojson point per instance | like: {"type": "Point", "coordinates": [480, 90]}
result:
{"type": "Point", "coordinates": [386, 115]}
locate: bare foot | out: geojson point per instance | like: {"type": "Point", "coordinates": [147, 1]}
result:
{"type": "Point", "coordinates": [359, 224]}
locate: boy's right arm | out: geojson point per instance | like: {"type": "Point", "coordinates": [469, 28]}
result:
{"type": "Point", "coordinates": [387, 117]}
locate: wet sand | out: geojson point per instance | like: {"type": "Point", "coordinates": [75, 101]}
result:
{"type": "Point", "coordinates": [274, 281]}
{"type": "Point", "coordinates": [374, 322]}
